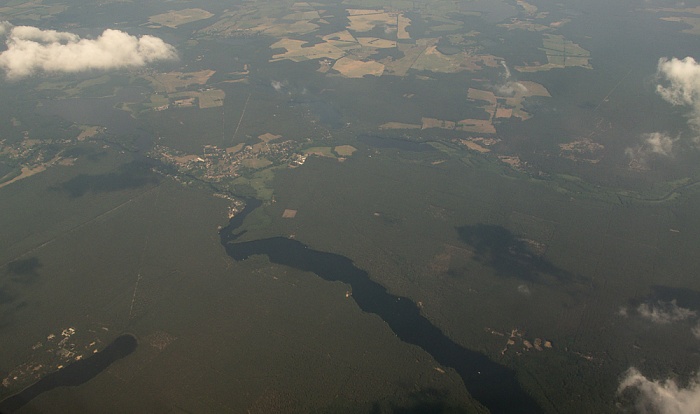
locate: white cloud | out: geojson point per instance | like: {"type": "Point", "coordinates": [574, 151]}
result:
{"type": "Point", "coordinates": [508, 87]}
{"type": "Point", "coordinates": [683, 76]}
{"type": "Point", "coordinates": [507, 73]}
{"type": "Point", "coordinates": [524, 290]}
{"type": "Point", "coordinates": [31, 50]}
{"type": "Point", "coordinates": [681, 85]}
{"type": "Point", "coordinates": [663, 397]}
{"type": "Point", "coordinates": [696, 331]}
{"type": "Point", "coordinates": [665, 312]}
{"type": "Point", "coordinates": [277, 85]}
{"type": "Point", "coordinates": [652, 144]}
{"type": "Point", "coordinates": [4, 27]}
{"type": "Point", "coordinates": [659, 143]}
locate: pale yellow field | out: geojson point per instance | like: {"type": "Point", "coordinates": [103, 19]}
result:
{"type": "Point", "coordinates": [481, 95]}
{"type": "Point", "coordinates": [482, 126]}
{"type": "Point", "coordinates": [693, 22]}
{"type": "Point", "coordinates": [342, 36]}
{"type": "Point", "coordinates": [267, 137]}
{"type": "Point", "coordinates": [525, 25]}
{"type": "Point", "coordinates": [235, 148]}
{"type": "Point", "coordinates": [26, 172]}
{"type": "Point", "coordinates": [534, 89]}
{"type": "Point", "coordinates": [320, 151]}
{"type": "Point", "coordinates": [285, 29]}
{"type": "Point", "coordinates": [88, 132]}
{"type": "Point", "coordinates": [184, 102]}
{"type": "Point", "coordinates": [172, 81]}
{"type": "Point", "coordinates": [403, 23]}
{"type": "Point", "coordinates": [692, 10]}
{"type": "Point", "coordinates": [436, 123]}
{"type": "Point", "coordinates": [474, 146]}
{"type": "Point", "coordinates": [342, 40]}
{"type": "Point", "coordinates": [400, 67]}
{"type": "Point", "coordinates": [32, 10]}
{"type": "Point", "coordinates": [538, 68]}
{"type": "Point", "coordinates": [211, 98]}
{"type": "Point", "coordinates": [435, 61]}
{"type": "Point", "coordinates": [365, 20]}
{"type": "Point", "coordinates": [302, 15]}
{"type": "Point", "coordinates": [345, 150]}
{"type": "Point", "coordinates": [526, 89]}
{"type": "Point", "coordinates": [351, 68]}
{"type": "Point", "coordinates": [504, 112]}
{"type": "Point", "coordinates": [560, 53]}
{"type": "Point", "coordinates": [175, 18]}
{"type": "Point", "coordinates": [186, 158]}
{"type": "Point", "coordinates": [530, 9]}
{"type": "Point", "coordinates": [296, 53]}
{"type": "Point", "coordinates": [399, 125]}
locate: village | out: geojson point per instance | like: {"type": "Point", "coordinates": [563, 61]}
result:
{"type": "Point", "coordinates": [216, 164]}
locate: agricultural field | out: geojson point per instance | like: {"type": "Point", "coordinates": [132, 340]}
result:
{"type": "Point", "coordinates": [345, 150]}
{"type": "Point", "coordinates": [175, 81]}
{"type": "Point", "coordinates": [295, 51]}
{"type": "Point", "coordinates": [209, 98]}
{"type": "Point", "coordinates": [30, 10]}
{"type": "Point", "coordinates": [693, 22]}
{"type": "Point", "coordinates": [561, 53]}
{"type": "Point", "coordinates": [351, 68]}
{"type": "Point", "coordinates": [175, 18]}
{"type": "Point", "coordinates": [399, 191]}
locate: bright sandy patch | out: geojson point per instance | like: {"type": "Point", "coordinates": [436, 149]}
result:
{"type": "Point", "coordinates": [502, 112]}
{"type": "Point", "coordinates": [345, 150]}
{"type": "Point", "coordinates": [403, 23]}
{"type": "Point", "coordinates": [207, 99]}
{"type": "Point", "coordinates": [26, 172]}
{"type": "Point", "coordinates": [172, 81]}
{"type": "Point", "coordinates": [88, 132]}
{"type": "Point", "coordinates": [296, 53]}
{"type": "Point", "coordinates": [481, 95]}
{"type": "Point", "coordinates": [365, 20]}
{"type": "Point", "coordinates": [176, 18]}
{"type": "Point", "coordinates": [399, 125]}
{"type": "Point", "coordinates": [351, 68]}
{"type": "Point", "coordinates": [474, 146]}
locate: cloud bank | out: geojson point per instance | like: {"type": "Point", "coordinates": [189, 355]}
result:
{"type": "Point", "coordinates": [31, 50]}
{"type": "Point", "coordinates": [4, 26]}
{"type": "Point", "coordinates": [508, 87]}
{"type": "Point", "coordinates": [665, 312]}
{"type": "Point", "coordinates": [683, 80]}
{"type": "Point", "coordinates": [664, 397]}
{"type": "Point", "coordinates": [657, 144]}
{"type": "Point", "coordinates": [680, 85]}
{"type": "Point", "coordinates": [696, 331]}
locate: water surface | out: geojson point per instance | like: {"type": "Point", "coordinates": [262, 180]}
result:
{"type": "Point", "coordinates": [492, 384]}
